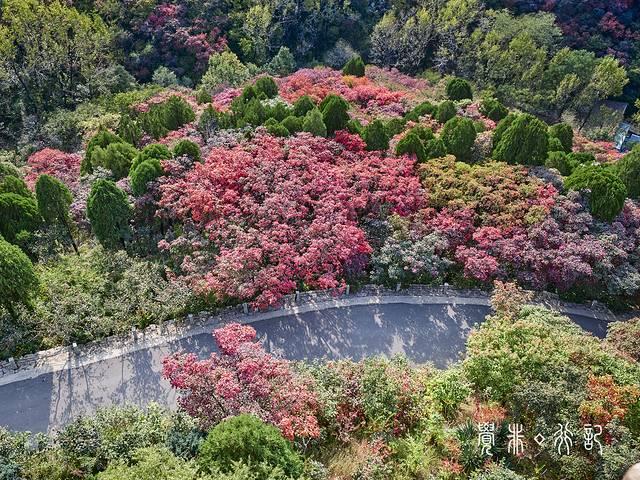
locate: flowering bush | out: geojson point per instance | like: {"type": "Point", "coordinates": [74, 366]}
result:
{"type": "Point", "coordinates": [282, 214]}
{"type": "Point", "coordinates": [64, 166]}
{"type": "Point", "coordinates": [243, 378]}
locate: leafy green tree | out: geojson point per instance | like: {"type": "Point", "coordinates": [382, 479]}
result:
{"type": "Point", "coordinates": [458, 89]}
{"type": "Point", "coordinates": [109, 213]}
{"type": "Point", "coordinates": [144, 173]}
{"type": "Point", "coordinates": [354, 67]}
{"type": "Point", "coordinates": [13, 184]}
{"type": "Point", "coordinates": [493, 109]}
{"type": "Point", "coordinates": [525, 141]}
{"type": "Point", "coordinates": [18, 280]}
{"type": "Point", "coordinates": [628, 169]}
{"type": "Point", "coordinates": [188, 148]}
{"type": "Point", "coordinates": [164, 77]}
{"type": "Point", "coordinates": [245, 439]}
{"type": "Point", "coordinates": [564, 133]}
{"type": "Point", "coordinates": [117, 157]}
{"type": "Point", "coordinates": [412, 145]}
{"type": "Point", "coordinates": [282, 64]}
{"type": "Point", "coordinates": [267, 86]}
{"type": "Point", "coordinates": [54, 200]}
{"type": "Point", "coordinates": [334, 113]}
{"type": "Point", "coordinates": [375, 136]}
{"type": "Point", "coordinates": [102, 139]}
{"type": "Point", "coordinates": [314, 124]}
{"type": "Point", "coordinates": [225, 70]}
{"type": "Point", "coordinates": [19, 216]}
{"type": "Point", "coordinates": [458, 136]}
{"type": "Point", "coordinates": [446, 111]}
{"type": "Point", "coordinates": [607, 191]}
{"type": "Point", "coordinates": [51, 52]}
{"type": "Point", "coordinates": [303, 105]}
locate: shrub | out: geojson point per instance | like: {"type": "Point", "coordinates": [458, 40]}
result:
{"type": "Point", "coordinates": [375, 136]}
{"type": "Point", "coordinates": [354, 126]}
{"type": "Point", "coordinates": [279, 111]}
{"type": "Point", "coordinates": [424, 133]}
{"type": "Point", "coordinates": [334, 113]}
{"type": "Point", "coordinates": [278, 130]}
{"type": "Point", "coordinates": [54, 200]}
{"type": "Point", "coordinates": [425, 108]}
{"type": "Point", "coordinates": [435, 148]}
{"type": "Point", "coordinates": [524, 141]}
{"type": "Point", "coordinates": [247, 439]}
{"type": "Point", "coordinates": [559, 161]}
{"type": "Point", "coordinates": [129, 130]}
{"type": "Point", "coordinates": [188, 148]}
{"type": "Point", "coordinates": [254, 113]}
{"type": "Point", "coordinates": [144, 173]}
{"type": "Point", "coordinates": [303, 105]}
{"type": "Point", "coordinates": [625, 336]}
{"type": "Point", "coordinates": [314, 124]}
{"type": "Point", "coordinates": [19, 216]}
{"type": "Point", "coordinates": [151, 463]}
{"type": "Point", "coordinates": [18, 281]}
{"type": "Point", "coordinates": [502, 127]}
{"type": "Point", "coordinates": [458, 89]}
{"type": "Point", "coordinates": [267, 86]}
{"type": "Point", "coordinates": [395, 126]}
{"type": "Point", "coordinates": [628, 169]}
{"type": "Point", "coordinates": [177, 112]}
{"type": "Point", "coordinates": [458, 136]}
{"type": "Point", "coordinates": [293, 124]}
{"type": "Point", "coordinates": [555, 145]}
{"type": "Point", "coordinates": [155, 151]}
{"type": "Point", "coordinates": [109, 213]}
{"type": "Point", "coordinates": [117, 157]}
{"type": "Point", "coordinates": [337, 56]}
{"type": "Point", "coordinates": [164, 77]}
{"type": "Point", "coordinates": [9, 170]}
{"type": "Point", "coordinates": [493, 109]}
{"type": "Point", "coordinates": [15, 185]}
{"type": "Point", "coordinates": [225, 70]}
{"type": "Point", "coordinates": [354, 67]}
{"type": "Point", "coordinates": [564, 133]}
{"type": "Point", "coordinates": [102, 139]}
{"type": "Point", "coordinates": [282, 64]}
{"type": "Point", "coordinates": [203, 97]}
{"type": "Point", "coordinates": [446, 111]}
{"type": "Point", "coordinates": [581, 158]}
{"type": "Point", "coordinates": [412, 145]}
{"type": "Point", "coordinates": [608, 192]}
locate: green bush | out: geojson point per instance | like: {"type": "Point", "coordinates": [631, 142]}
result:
{"type": "Point", "coordinates": [129, 130]}
{"type": "Point", "coordinates": [314, 124]}
{"type": "Point", "coordinates": [334, 113]}
{"type": "Point", "coordinates": [628, 169]}
{"type": "Point", "coordinates": [564, 133]}
{"type": "Point", "coordinates": [293, 124]}
{"type": "Point", "coordinates": [254, 113]}
{"type": "Point", "coordinates": [458, 89]}
{"type": "Point", "coordinates": [493, 109]}
{"type": "Point", "coordinates": [268, 86]}
{"type": "Point", "coordinates": [15, 185]}
{"type": "Point", "coordinates": [19, 216]}
{"type": "Point", "coordinates": [279, 111]}
{"type": "Point", "coordinates": [117, 157]}
{"type": "Point", "coordinates": [248, 439]}
{"type": "Point", "coordinates": [446, 111]}
{"type": "Point", "coordinates": [177, 113]}
{"type": "Point", "coordinates": [375, 136]}
{"type": "Point", "coordinates": [354, 67]}
{"type": "Point", "coordinates": [109, 213]}
{"type": "Point", "coordinates": [188, 148]}
{"type": "Point", "coordinates": [278, 130]}
{"type": "Point", "coordinates": [54, 200]}
{"type": "Point", "coordinates": [303, 105]}
{"type": "Point", "coordinates": [354, 126]}
{"type": "Point", "coordinates": [435, 148]}
{"type": "Point", "coordinates": [555, 145]}
{"type": "Point", "coordinates": [412, 145]}
{"type": "Point", "coordinates": [425, 134]}
{"type": "Point", "coordinates": [458, 136]}
{"type": "Point", "coordinates": [449, 390]}
{"type": "Point", "coordinates": [102, 139]}
{"type": "Point", "coordinates": [524, 141]}
{"type": "Point", "coordinates": [608, 192]}
{"type": "Point", "coordinates": [497, 472]}
{"type": "Point", "coordinates": [559, 161]}
{"type": "Point", "coordinates": [9, 170]}
{"type": "Point", "coordinates": [203, 97]}
{"type": "Point", "coordinates": [225, 70]}
{"type": "Point", "coordinates": [282, 64]}
{"type": "Point", "coordinates": [395, 126]}
{"type": "Point", "coordinates": [144, 173]}
{"type": "Point", "coordinates": [18, 281]}
{"type": "Point", "coordinates": [155, 151]}
{"type": "Point", "coordinates": [502, 127]}
{"type": "Point", "coordinates": [625, 336]}
{"type": "Point", "coordinates": [151, 463]}
{"type": "Point", "coordinates": [581, 158]}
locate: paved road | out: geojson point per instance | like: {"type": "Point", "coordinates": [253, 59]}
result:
{"type": "Point", "coordinates": [423, 332]}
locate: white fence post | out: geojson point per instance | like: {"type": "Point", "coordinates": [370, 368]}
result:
{"type": "Point", "coordinates": [245, 308]}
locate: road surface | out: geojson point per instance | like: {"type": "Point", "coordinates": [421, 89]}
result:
{"type": "Point", "coordinates": [423, 332]}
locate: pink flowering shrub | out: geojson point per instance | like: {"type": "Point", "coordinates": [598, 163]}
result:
{"type": "Point", "coordinates": [280, 214]}
{"type": "Point", "coordinates": [244, 378]}
{"type": "Point", "coordinates": [64, 166]}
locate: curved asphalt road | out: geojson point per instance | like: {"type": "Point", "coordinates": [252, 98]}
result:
{"type": "Point", "coordinates": [423, 332]}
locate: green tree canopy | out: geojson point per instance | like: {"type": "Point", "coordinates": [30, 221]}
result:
{"type": "Point", "coordinates": [607, 191]}
{"type": "Point", "coordinates": [54, 200]}
{"type": "Point", "coordinates": [375, 136]}
{"type": "Point", "coordinates": [109, 213]}
{"type": "Point", "coordinates": [354, 67]}
{"type": "Point", "coordinates": [628, 169]}
{"type": "Point", "coordinates": [524, 141]}
{"type": "Point", "coordinates": [314, 124]}
{"type": "Point", "coordinates": [19, 216]}
{"type": "Point", "coordinates": [18, 280]}
{"type": "Point", "coordinates": [458, 136]}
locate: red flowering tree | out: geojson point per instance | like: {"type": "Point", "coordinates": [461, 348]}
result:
{"type": "Point", "coordinates": [244, 378]}
{"type": "Point", "coordinates": [275, 215]}
{"type": "Point", "coordinates": [64, 166]}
